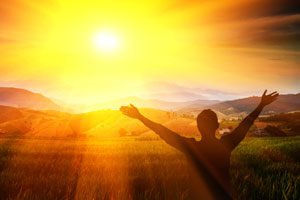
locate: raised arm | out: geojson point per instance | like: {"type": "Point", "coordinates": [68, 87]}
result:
{"type": "Point", "coordinates": [170, 137]}
{"type": "Point", "coordinates": [240, 132]}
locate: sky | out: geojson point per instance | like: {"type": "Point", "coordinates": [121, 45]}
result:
{"type": "Point", "coordinates": [171, 50]}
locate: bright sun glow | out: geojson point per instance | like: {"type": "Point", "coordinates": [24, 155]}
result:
{"type": "Point", "coordinates": [106, 41]}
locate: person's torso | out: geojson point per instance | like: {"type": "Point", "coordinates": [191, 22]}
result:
{"type": "Point", "coordinates": [216, 159]}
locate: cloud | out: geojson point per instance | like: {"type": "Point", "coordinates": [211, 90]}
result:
{"type": "Point", "coordinates": [280, 31]}
{"type": "Point", "coordinates": [271, 23]}
{"type": "Point", "coordinates": [7, 40]}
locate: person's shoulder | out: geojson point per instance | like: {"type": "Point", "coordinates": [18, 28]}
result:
{"type": "Point", "coordinates": [227, 141]}
{"type": "Point", "coordinates": [192, 140]}
{"type": "Point", "coordinates": [225, 137]}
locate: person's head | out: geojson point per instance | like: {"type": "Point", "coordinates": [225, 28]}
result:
{"type": "Point", "coordinates": [207, 122]}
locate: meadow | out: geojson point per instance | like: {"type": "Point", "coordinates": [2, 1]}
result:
{"type": "Point", "coordinates": [138, 168]}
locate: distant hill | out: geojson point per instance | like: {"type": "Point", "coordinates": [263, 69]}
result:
{"type": "Point", "coordinates": [27, 122]}
{"type": "Point", "coordinates": [284, 103]}
{"type": "Point", "coordinates": [9, 113]}
{"type": "Point", "coordinates": [97, 124]}
{"type": "Point", "coordinates": [17, 97]}
{"type": "Point", "coordinates": [109, 123]}
{"type": "Point", "coordinates": [34, 115]}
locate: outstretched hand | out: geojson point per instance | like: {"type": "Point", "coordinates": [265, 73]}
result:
{"type": "Point", "coordinates": [267, 99]}
{"type": "Point", "coordinates": [130, 111]}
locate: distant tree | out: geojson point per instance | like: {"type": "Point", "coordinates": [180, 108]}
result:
{"type": "Point", "coordinates": [274, 131]}
{"type": "Point", "coordinates": [174, 114]}
{"type": "Point", "coordinates": [293, 127]}
{"type": "Point", "coordinates": [169, 115]}
{"type": "Point", "coordinates": [187, 116]}
{"type": "Point", "coordinates": [135, 133]}
{"type": "Point", "coordinates": [122, 132]}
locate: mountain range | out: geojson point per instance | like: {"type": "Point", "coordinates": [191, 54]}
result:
{"type": "Point", "coordinates": [284, 103]}
{"type": "Point", "coordinates": [17, 97]}
{"type": "Point", "coordinates": [40, 117]}
{"type": "Point", "coordinates": [154, 103]}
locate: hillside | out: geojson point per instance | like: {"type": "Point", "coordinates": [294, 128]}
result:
{"type": "Point", "coordinates": [19, 120]}
{"type": "Point", "coordinates": [17, 97]}
{"type": "Point", "coordinates": [108, 123]}
{"type": "Point", "coordinates": [97, 124]}
{"type": "Point", "coordinates": [284, 103]}
{"type": "Point", "coordinates": [27, 122]}
{"type": "Point", "coordinates": [288, 122]}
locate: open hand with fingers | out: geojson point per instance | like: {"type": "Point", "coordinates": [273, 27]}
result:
{"type": "Point", "coordinates": [131, 111]}
{"type": "Point", "coordinates": [267, 99]}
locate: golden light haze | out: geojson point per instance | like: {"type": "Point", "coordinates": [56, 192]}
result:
{"type": "Point", "coordinates": [106, 41]}
{"type": "Point", "coordinates": [191, 44]}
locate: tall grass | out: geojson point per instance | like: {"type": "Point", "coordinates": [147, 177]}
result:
{"type": "Point", "coordinates": [128, 168]}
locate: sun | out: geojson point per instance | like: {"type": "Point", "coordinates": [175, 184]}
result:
{"type": "Point", "coordinates": [106, 41]}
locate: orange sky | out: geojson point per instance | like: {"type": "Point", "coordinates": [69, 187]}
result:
{"type": "Point", "coordinates": [233, 47]}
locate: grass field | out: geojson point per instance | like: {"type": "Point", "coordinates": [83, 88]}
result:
{"type": "Point", "coordinates": [128, 168]}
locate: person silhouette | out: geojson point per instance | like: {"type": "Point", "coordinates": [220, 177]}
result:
{"type": "Point", "coordinates": [209, 158]}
